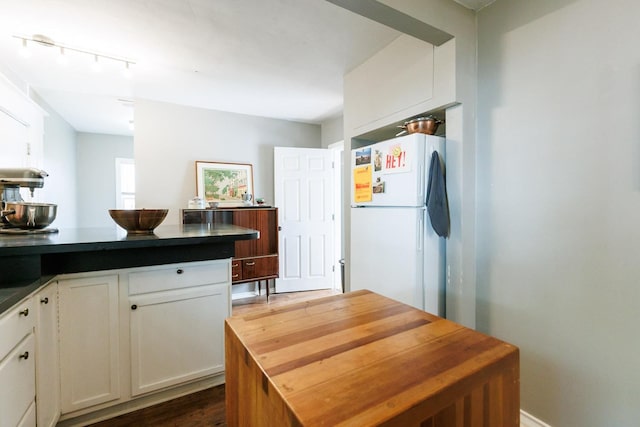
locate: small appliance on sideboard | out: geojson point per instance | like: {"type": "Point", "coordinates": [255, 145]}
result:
{"type": "Point", "coordinates": [18, 216]}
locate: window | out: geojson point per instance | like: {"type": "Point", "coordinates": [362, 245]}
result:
{"type": "Point", "coordinates": [125, 184]}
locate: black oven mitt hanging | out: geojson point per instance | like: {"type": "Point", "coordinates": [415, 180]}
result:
{"type": "Point", "coordinates": [437, 204]}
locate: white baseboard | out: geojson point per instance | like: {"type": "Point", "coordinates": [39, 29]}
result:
{"type": "Point", "coordinates": [528, 420]}
{"type": "Point", "coordinates": [248, 293]}
{"type": "Point", "coordinates": [241, 295]}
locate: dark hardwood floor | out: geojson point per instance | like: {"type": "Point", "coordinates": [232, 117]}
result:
{"type": "Point", "coordinates": [202, 409]}
{"type": "Point", "coordinates": [205, 408]}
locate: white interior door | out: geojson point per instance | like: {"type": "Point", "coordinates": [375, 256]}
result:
{"type": "Point", "coordinates": [303, 183]}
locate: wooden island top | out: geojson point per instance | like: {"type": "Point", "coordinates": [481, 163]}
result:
{"type": "Point", "coordinates": [360, 359]}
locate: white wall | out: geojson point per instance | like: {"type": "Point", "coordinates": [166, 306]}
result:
{"type": "Point", "coordinates": [332, 131]}
{"type": "Point", "coordinates": [559, 202]}
{"type": "Point", "coordinates": [60, 164]}
{"type": "Point", "coordinates": [96, 178]}
{"type": "Point", "coordinates": [170, 138]}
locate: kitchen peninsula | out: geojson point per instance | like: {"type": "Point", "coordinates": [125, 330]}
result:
{"type": "Point", "coordinates": [27, 260]}
{"type": "Point", "coordinates": [116, 322]}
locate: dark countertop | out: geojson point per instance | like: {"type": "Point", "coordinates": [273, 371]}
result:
{"type": "Point", "coordinates": [74, 239]}
{"type": "Point", "coordinates": [30, 261]}
{"type": "Point", "coordinates": [11, 295]}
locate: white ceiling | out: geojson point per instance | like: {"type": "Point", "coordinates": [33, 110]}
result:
{"type": "Point", "coordinates": [474, 4]}
{"type": "Point", "coordinates": [273, 58]}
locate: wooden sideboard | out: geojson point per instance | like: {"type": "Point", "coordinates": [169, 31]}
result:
{"type": "Point", "coordinates": [361, 359]}
{"type": "Point", "coordinates": [254, 260]}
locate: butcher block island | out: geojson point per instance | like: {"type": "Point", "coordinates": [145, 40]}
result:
{"type": "Point", "coordinates": [361, 359]}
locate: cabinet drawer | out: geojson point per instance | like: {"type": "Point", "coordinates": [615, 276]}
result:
{"type": "Point", "coordinates": [15, 325]}
{"type": "Point", "coordinates": [259, 267]}
{"type": "Point", "coordinates": [177, 276]}
{"type": "Point", "coordinates": [18, 382]}
{"type": "Point", "coordinates": [236, 270]}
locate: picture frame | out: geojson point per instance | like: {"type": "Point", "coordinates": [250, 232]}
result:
{"type": "Point", "coordinates": [223, 183]}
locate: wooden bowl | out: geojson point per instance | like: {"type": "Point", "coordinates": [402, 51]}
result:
{"type": "Point", "coordinates": [138, 221]}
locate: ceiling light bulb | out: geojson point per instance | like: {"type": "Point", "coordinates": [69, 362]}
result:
{"type": "Point", "coordinates": [62, 58]}
{"type": "Point", "coordinates": [96, 65]}
{"type": "Point", "coordinates": [127, 72]}
{"type": "Point", "coordinates": [24, 49]}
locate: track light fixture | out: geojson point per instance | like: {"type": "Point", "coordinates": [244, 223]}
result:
{"type": "Point", "coordinates": [63, 48]}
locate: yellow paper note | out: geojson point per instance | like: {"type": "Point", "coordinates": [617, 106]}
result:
{"type": "Point", "coordinates": [362, 184]}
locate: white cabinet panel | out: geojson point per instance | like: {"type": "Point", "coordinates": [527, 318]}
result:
{"type": "Point", "coordinates": [177, 336]}
{"type": "Point", "coordinates": [21, 128]}
{"type": "Point", "coordinates": [396, 78]}
{"type": "Point", "coordinates": [29, 419]}
{"type": "Point", "coordinates": [15, 325]}
{"type": "Point", "coordinates": [17, 382]}
{"type": "Point", "coordinates": [14, 137]}
{"type": "Point", "coordinates": [177, 276]}
{"type": "Point", "coordinates": [47, 362]}
{"type": "Point", "coordinates": [89, 366]}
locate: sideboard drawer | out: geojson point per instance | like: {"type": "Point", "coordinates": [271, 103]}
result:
{"type": "Point", "coordinates": [259, 267]}
{"type": "Point", "coordinates": [236, 270]}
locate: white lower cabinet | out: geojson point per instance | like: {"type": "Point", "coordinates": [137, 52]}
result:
{"type": "Point", "coordinates": [47, 362]}
{"type": "Point", "coordinates": [174, 338]}
{"type": "Point", "coordinates": [17, 367]}
{"type": "Point", "coordinates": [89, 345]}
{"type": "Point", "coordinates": [176, 323]}
{"type": "Point", "coordinates": [125, 334]}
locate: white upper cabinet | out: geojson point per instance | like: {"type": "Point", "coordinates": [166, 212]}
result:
{"type": "Point", "coordinates": [397, 77]}
{"type": "Point", "coordinates": [21, 128]}
{"type": "Point", "coordinates": [405, 79]}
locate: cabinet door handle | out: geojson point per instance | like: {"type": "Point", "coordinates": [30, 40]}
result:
{"type": "Point", "coordinates": [134, 307]}
{"type": "Point", "coordinates": [235, 265]}
{"type": "Point", "coordinates": [179, 271]}
{"type": "Point", "coordinates": [24, 312]}
{"type": "Point", "coordinates": [251, 263]}
{"type": "Point", "coordinates": [235, 276]}
{"type": "Point", "coordinates": [44, 300]}
{"type": "Point", "coordinates": [24, 356]}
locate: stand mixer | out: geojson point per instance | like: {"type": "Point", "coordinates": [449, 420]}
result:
{"type": "Point", "coordinates": [11, 180]}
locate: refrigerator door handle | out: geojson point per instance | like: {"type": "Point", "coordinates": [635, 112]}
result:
{"type": "Point", "coordinates": [421, 186]}
{"type": "Point", "coordinates": [420, 239]}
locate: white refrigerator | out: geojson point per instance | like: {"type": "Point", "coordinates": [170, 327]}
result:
{"type": "Point", "coordinates": [394, 249]}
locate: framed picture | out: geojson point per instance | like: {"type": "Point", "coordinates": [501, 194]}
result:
{"type": "Point", "coordinates": [224, 183]}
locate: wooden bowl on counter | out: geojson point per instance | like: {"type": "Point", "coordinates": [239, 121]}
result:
{"type": "Point", "coordinates": [138, 221]}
